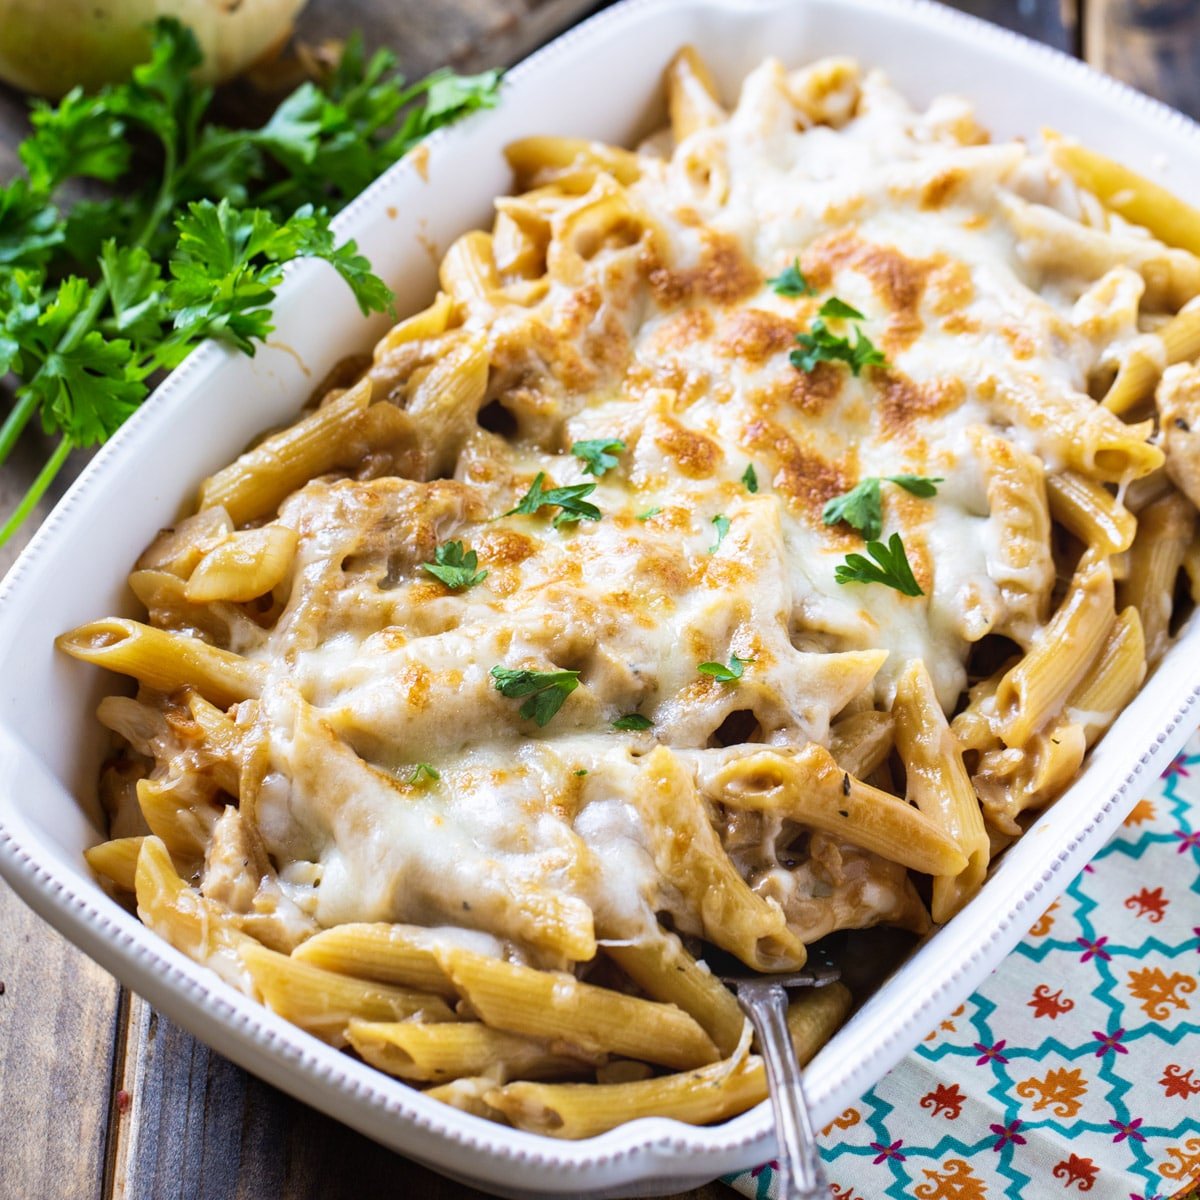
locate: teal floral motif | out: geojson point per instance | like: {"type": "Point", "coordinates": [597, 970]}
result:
{"type": "Point", "coordinates": [1076, 1067]}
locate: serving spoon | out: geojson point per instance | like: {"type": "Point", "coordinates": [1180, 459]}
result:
{"type": "Point", "coordinates": [764, 1000]}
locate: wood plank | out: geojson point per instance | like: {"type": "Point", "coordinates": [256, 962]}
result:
{"type": "Point", "coordinates": [1055, 22]}
{"type": "Point", "coordinates": [58, 1024]}
{"type": "Point", "coordinates": [1152, 44]}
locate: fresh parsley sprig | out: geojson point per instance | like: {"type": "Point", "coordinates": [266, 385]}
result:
{"type": "Point", "coordinates": [598, 454]}
{"type": "Point", "coordinates": [725, 674]}
{"type": "Point", "coordinates": [546, 690]}
{"type": "Point", "coordinates": [750, 479]}
{"type": "Point", "coordinates": [890, 567]}
{"type": "Point", "coordinates": [458, 571]}
{"type": "Point", "coordinates": [98, 297]}
{"type": "Point", "coordinates": [791, 282]}
{"type": "Point", "coordinates": [862, 506]}
{"type": "Point", "coordinates": [569, 500]}
{"type": "Point", "coordinates": [821, 344]}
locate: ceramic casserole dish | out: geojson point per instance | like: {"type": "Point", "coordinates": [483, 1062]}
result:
{"type": "Point", "coordinates": [601, 80]}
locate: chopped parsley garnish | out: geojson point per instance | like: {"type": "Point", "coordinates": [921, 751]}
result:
{"type": "Point", "coordinates": [569, 499]}
{"type": "Point", "coordinates": [791, 282]}
{"type": "Point", "coordinates": [546, 690]}
{"type": "Point", "coordinates": [750, 479]}
{"type": "Point", "coordinates": [422, 771]}
{"type": "Point", "coordinates": [650, 512]}
{"type": "Point", "coordinates": [454, 568]}
{"type": "Point", "coordinates": [582, 772]}
{"type": "Point", "coordinates": [839, 310]}
{"type": "Point", "coordinates": [723, 674]}
{"type": "Point", "coordinates": [721, 521]}
{"type": "Point", "coordinates": [861, 506]}
{"type": "Point", "coordinates": [598, 454]}
{"type": "Point", "coordinates": [890, 567]}
{"type": "Point", "coordinates": [820, 344]}
{"type": "Point", "coordinates": [632, 721]}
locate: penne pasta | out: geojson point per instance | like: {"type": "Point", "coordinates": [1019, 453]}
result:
{"type": "Point", "coordinates": [938, 784]}
{"type": "Point", "coordinates": [549, 1005]}
{"type": "Point", "coordinates": [165, 662]}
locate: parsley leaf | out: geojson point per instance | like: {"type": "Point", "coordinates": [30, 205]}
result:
{"type": "Point", "coordinates": [454, 568]}
{"type": "Point", "coordinates": [569, 499]}
{"type": "Point", "coordinates": [723, 674]}
{"type": "Point", "coordinates": [721, 521]}
{"type": "Point", "coordinates": [423, 771]}
{"type": "Point", "coordinates": [840, 310]}
{"type": "Point", "coordinates": [634, 721]}
{"type": "Point", "coordinates": [582, 772]}
{"type": "Point", "coordinates": [924, 486]}
{"type": "Point", "coordinates": [99, 294]}
{"type": "Point", "coordinates": [596, 455]}
{"type": "Point", "coordinates": [546, 690]}
{"type": "Point", "coordinates": [820, 344]}
{"type": "Point", "coordinates": [893, 568]}
{"type": "Point", "coordinates": [750, 479]}
{"type": "Point", "coordinates": [650, 512]}
{"type": "Point", "coordinates": [791, 282]}
{"type": "Point", "coordinates": [861, 507]}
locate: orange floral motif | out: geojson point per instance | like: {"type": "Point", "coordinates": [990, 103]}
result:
{"type": "Point", "coordinates": [1046, 1003]}
{"type": "Point", "coordinates": [1074, 1169]}
{"type": "Point", "coordinates": [946, 1026]}
{"type": "Point", "coordinates": [1044, 923]}
{"type": "Point", "coordinates": [1143, 811]}
{"type": "Point", "coordinates": [1061, 1090]}
{"type": "Point", "coordinates": [955, 1181]}
{"type": "Point", "coordinates": [946, 1099]}
{"type": "Point", "coordinates": [839, 1194]}
{"type": "Point", "coordinates": [1159, 992]}
{"type": "Point", "coordinates": [1175, 1082]}
{"type": "Point", "coordinates": [847, 1120]}
{"type": "Point", "coordinates": [1152, 904]}
{"type": "Point", "coordinates": [1186, 1162]}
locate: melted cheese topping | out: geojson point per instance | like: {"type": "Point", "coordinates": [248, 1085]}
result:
{"type": "Point", "coordinates": [657, 327]}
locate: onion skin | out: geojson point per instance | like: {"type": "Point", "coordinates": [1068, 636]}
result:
{"type": "Point", "coordinates": [51, 46]}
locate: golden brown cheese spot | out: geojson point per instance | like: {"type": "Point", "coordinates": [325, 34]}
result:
{"type": "Point", "coordinates": [696, 455]}
{"type": "Point", "coordinates": [951, 287]}
{"type": "Point", "coordinates": [498, 547]}
{"type": "Point", "coordinates": [803, 476]}
{"type": "Point", "coordinates": [662, 571]}
{"type": "Point", "coordinates": [839, 211]}
{"type": "Point", "coordinates": [898, 281]}
{"type": "Point", "coordinates": [610, 346]}
{"type": "Point", "coordinates": [682, 330]}
{"type": "Point", "coordinates": [940, 190]}
{"type": "Point", "coordinates": [902, 402]}
{"type": "Point", "coordinates": [722, 572]}
{"type": "Point", "coordinates": [812, 392]}
{"type": "Point", "coordinates": [1019, 342]}
{"type": "Point", "coordinates": [724, 274]}
{"type": "Point", "coordinates": [959, 323]}
{"type": "Point", "coordinates": [414, 680]}
{"type": "Point", "coordinates": [754, 335]}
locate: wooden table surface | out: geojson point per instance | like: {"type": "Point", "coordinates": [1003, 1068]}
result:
{"type": "Point", "coordinates": [100, 1096]}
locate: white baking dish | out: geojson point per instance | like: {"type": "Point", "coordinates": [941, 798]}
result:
{"type": "Point", "coordinates": [599, 80]}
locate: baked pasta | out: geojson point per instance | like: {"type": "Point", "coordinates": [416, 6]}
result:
{"type": "Point", "coordinates": [752, 535]}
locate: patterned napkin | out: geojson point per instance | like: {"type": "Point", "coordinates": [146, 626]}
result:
{"type": "Point", "coordinates": [1076, 1067]}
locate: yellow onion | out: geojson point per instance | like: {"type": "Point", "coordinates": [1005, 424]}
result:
{"type": "Point", "coordinates": [50, 46]}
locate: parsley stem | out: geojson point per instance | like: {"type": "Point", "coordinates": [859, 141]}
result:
{"type": "Point", "coordinates": [36, 490]}
{"type": "Point", "coordinates": [15, 423]}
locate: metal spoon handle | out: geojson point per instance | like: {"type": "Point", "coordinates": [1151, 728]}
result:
{"type": "Point", "coordinates": [801, 1175]}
